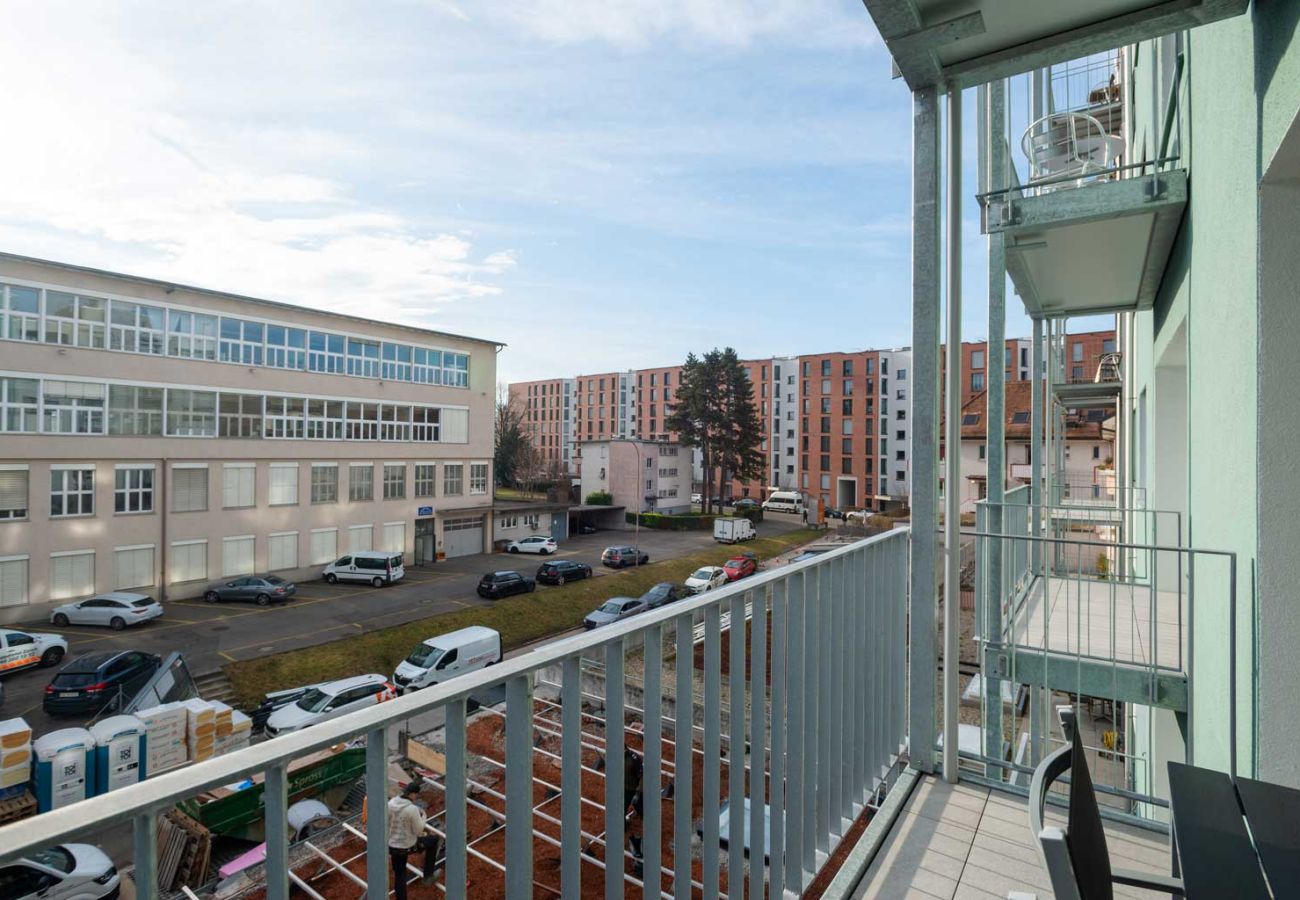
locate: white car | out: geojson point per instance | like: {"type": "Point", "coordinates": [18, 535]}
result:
{"type": "Point", "coordinates": [706, 578]}
{"type": "Point", "coordinates": [537, 543]}
{"type": "Point", "coordinates": [64, 872]}
{"type": "Point", "coordinates": [329, 701]}
{"type": "Point", "coordinates": [116, 610]}
{"type": "Point", "coordinates": [697, 498]}
{"type": "Point", "coordinates": [24, 649]}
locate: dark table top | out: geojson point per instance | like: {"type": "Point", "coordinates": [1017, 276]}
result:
{"type": "Point", "coordinates": [1214, 848]}
{"type": "Point", "coordinates": [1273, 812]}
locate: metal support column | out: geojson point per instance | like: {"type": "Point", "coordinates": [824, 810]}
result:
{"type": "Point", "coordinates": [1036, 448]}
{"type": "Point", "coordinates": [146, 855]}
{"type": "Point", "coordinates": [377, 812]}
{"type": "Point", "coordinates": [952, 441]}
{"type": "Point", "coordinates": [925, 423]}
{"type": "Point", "coordinates": [995, 117]}
{"type": "Point", "coordinates": [275, 794]}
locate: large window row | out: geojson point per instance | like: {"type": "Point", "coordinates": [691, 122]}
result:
{"type": "Point", "coordinates": [56, 406]}
{"type": "Point", "coordinates": [69, 319]}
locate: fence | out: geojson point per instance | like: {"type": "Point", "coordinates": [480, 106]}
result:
{"type": "Point", "coordinates": [824, 662]}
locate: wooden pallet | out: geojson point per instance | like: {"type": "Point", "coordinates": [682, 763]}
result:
{"type": "Point", "coordinates": [184, 851]}
{"type": "Point", "coordinates": [15, 808]}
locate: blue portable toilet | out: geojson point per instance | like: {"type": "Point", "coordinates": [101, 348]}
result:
{"type": "Point", "coordinates": [119, 752]}
{"type": "Point", "coordinates": [64, 768]}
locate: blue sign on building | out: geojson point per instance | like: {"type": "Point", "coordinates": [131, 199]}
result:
{"type": "Point", "coordinates": [425, 511]}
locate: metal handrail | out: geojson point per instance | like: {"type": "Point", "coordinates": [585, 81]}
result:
{"type": "Point", "coordinates": [988, 195]}
{"type": "Point", "coordinates": [851, 596]}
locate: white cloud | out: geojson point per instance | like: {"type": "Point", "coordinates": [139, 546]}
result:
{"type": "Point", "coordinates": [733, 23]}
{"type": "Point", "coordinates": [116, 163]}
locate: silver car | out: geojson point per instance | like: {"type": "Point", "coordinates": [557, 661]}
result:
{"type": "Point", "coordinates": [117, 610]}
{"type": "Point", "coordinates": [612, 610]}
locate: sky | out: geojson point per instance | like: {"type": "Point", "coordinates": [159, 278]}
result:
{"type": "Point", "coordinates": [597, 184]}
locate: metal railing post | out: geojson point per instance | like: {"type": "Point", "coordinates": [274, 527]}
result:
{"type": "Point", "coordinates": [455, 872]}
{"type": "Point", "coordinates": [519, 785]}
{"type": "Point", "coordinates": [683, 734]}
{"type": "Point", "coordinates": [275, 793]}
{"type": "Point", "coordinates": [145, 827]}
{"type": "Point", "coordinates": [615, 800]}
{"type": "Point", "coordinates": [377, 812]}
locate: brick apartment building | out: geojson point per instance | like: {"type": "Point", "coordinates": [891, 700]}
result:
{"type": "Point", "coordinates": [547, 407]}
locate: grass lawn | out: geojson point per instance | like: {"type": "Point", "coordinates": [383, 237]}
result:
{"type": "Point", "coordinates": [520, 620]}
{"type": "Point", "coordinates": [504, 493]}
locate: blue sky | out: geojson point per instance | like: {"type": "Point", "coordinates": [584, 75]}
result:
{"type": "Point", "coordinates": [600, 184]}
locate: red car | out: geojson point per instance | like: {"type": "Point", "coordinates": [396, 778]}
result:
{"type": "Point", "coordinates": [739, 566]}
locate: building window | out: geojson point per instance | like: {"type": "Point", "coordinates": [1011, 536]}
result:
{"type": "Point", "coordinates": [1076, 373]}
{"type": "Point", "coordinates": [1108, 345]}
{"type": "Point", "coordinates": [825, 462]}
{"type": "Point", "coordinates": [478, 478]}
{"type": "Point", "coordinates": [13, 492]}
{"type": "Point", "coordinates": [22, 322]}
{"type": "Point", "coordinates": [426, 366]}
{"type": "Point", "coordinates": [324, 483]}
{"type": "Point", "coordinates": [284, 484]}
{"type": "Point", "coordinates": [324, 545]}
{"type": "Point", "coordinates": [362, 421]}
{"type": "Point", "coordinates": [241, 415]}
{"type": "Point", "coordinates": [285, 416]}
{"type": "Point", "coordinates": [136, 328]}
{"type": "Point", "coordinates": [325, 353]}
{"type": "Point", "coordinates": [846, 466]}
{"type": "Point", "coordinates": [286, 348]}
{"type": "Point", "coordinates": [846, 426]}
{"type": "Point", "coordinates": [453, 475]}
{"type": "Point", "coordinates": [191, 413]}
{"type": "Point", "coordinates": [826, 482]}
{"type": "Point", "coordinates": [135, 410]}
{"type": "Point", "coordinates": [1096, 454]}
{"type": "Point", "coordinates": [977, 359]}
{"type": "Point", "coordinates": [424, 424]}
{"type": "Point", "coordinates": [425, 479]}
{"type": "Point", "coordinates": [1019, 418]}
{"type": "Point", "coordinates": [900, 374]}
{"type": "Point", "coordinates": [977, 381]}
{"type": "Point", "coordinates": [73, 320]}
{"type": "Point", "coordinates": [133, 489]}
{"type": "Point", "coordinates": [133, 567]}
{"type": "Point", "coordinates": [189, 488]}
{"type": "Point", "coordinates": [324, 419]}
{"type": "Point", "coordinates": [1076, 352]}
{"type": "Point", "coordinates": [238, 485]}
{"type": "Point", "coordinates": [13, 580]}
{"type": "Point", "coordinates": [361, 537]}
{"type": "Point", "coordinates": [394, 423]}
{"type": "Point", "coordinates": [72, 491]}
{"type": "Point", "coordinates": [241, 341]}
{"type": "Point", "coordinates": [191, 336]}
{"type": "Point", "coordinates": [189, 561]}
{"type": "Point", "coordinates": [19, 402]}
{"type": "Point", "coordinates": [983, 450]}
{"type": "Point", "coordinates": [282, 551]}
{"type": "Point", "coordinates": [237, 555]}
{"type": "Point", "coordinates": [396, 364]}
{"type": "Point", "coordinates": [363, 358]}
{"type": "Point", "coordinates": [394, 537]}
{"type": "Point", "coordinates": [900, 415]}
{"type": "Point", "coordinates": [72, 574]}
{"type": "Point", "coordinates": [395, 482]}
{"type": "Point", "coordinates": [73, 407]}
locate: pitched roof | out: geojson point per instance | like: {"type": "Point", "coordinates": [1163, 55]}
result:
{"type": "Point", "coordinates": [1080, 425]}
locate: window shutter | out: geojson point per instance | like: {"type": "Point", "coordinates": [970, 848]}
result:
{"type": "Point", "coordinates": [455, 426]}
{"type": "Point", "coordinates": [324, 545]}
{"type": "Point", "coordinates": [189, 562]}
{"type": "Point", "coordinates": [238, 486]}
{"type": "Point", "coordinates": [13, 582]}
{"type": "Point", "coordinates": [72, 575]}
{"type": "Point", "coordinates": [360, 537]}
{"type": "Point", "coordinates": [13, 489]}
{"type": "Point", "coordinates": [133, 568]}
{"type": "Point", "coordinates": [395, 537]}
{"type": "Point", "coordinates": [284, 483]}
{"type": "Point", "coordinates": [189, 490]}
{"type": "Point", "coordinates": [283, 551]}
{"type": "Point", "coordinates": [237, 556]}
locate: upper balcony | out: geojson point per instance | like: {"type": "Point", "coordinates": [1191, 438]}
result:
{"type": "Point", "coordinates": [1087, 229]}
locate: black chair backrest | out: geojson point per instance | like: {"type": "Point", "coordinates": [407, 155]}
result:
{"type": "Point", "coordinates": [1085, 838]}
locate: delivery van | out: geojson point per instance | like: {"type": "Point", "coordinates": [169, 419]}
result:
{"type": "Point", "coordinates": [733, 530]}
{"type": "Point", "coordinates": [784, 501]}
{"type": "Point", "coordinates": [446, 656]}
{"type": "Point", "coordinates": [379, 567]}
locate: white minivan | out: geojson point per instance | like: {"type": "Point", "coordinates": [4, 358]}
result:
{"type": "Point", "coordinates": [447, 656]}
{"type": "Point", "coordinates": [378, 567]}
{"type": "Point", "coordinates": [784, 501]}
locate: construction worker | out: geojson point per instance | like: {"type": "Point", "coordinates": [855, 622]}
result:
{"type": "Point", "coordinates": [634, 805]}
{"type": "Point", "coordinates": [406, 835]}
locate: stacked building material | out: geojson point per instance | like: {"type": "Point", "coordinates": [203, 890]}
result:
{"type": "Point", "coordinates": [15, 758]}
{"type": "Point", "coordinates": [165, 737]}
{"type": "Point", "coordinates": [201, 728]}
{"type": "Point", "coordinates": [238, 734]}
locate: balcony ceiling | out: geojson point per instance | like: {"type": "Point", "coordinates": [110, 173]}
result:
{"type": "Point", "coordinates": [970, 42]}
{"type": "Point", "coordinates": [1092, 249]}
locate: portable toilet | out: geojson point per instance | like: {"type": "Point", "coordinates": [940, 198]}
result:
{"type": "Point", "coordinates": [119, 752]}
{"type": "Point", "coordinates": [64, 768]}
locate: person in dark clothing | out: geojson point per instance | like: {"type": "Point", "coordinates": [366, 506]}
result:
{"type": "Point", "coordinates": [634, 804]}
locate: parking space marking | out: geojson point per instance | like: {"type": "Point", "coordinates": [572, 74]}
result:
{"type": "Point", "coordinates": [264, 642]}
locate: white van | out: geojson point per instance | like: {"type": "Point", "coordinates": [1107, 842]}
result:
{"type": "Point", "coordinates": [733, 530]}
{"type": "Point", "coordinates": [447, 656]}
{"type": "Point", "coordinates": [784, 501]}
{"type": "Point", "coordinates": [375, 566]}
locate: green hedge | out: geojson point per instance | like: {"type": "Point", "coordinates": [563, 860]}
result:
{"type": "Point", "coordinates": [600, 498]}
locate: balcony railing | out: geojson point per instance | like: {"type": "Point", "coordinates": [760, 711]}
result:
{"type": "Point", "coordinates": [802, 711]}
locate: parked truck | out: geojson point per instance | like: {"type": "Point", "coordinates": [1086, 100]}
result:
{"type": "Point", "coordinates": [733, 530]}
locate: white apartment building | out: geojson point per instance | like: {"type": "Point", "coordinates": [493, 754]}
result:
{"type": "Point", "coordinates": [895, 405]}
{"type": "Point", "coordinates": [783, 425]}
{"type": "Point", "coordinates": [640, 475]}
{"type": "Point", "coordinates": [157, 437]}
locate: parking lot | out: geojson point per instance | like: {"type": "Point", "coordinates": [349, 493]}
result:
{"type": "Point", "coordinates": [210, 635]}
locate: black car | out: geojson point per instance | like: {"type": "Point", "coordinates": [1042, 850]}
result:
{"type": "Point", "coordinates": [746, 503]}
{"type": "Point", "coordinates": [96, 681]}
{"type": "Point", "coordinates": [259, 589]}
{"type": "Point", "coordinates": [561, 570]}
{"type": "Point", "coordinates": [618, 557]}
{"type": "Point", "coordinates": [495, 585]}
{"type": "Point", "coordinates": [661, 593]}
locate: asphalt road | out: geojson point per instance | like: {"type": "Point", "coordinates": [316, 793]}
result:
{"type": "Point", "coordinates": [210, 635]}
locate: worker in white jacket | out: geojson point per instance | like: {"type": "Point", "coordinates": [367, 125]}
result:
{"type": "Point", "coordinates": [406, 835]}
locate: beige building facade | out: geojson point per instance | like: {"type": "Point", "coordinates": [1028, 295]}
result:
{"type": "Point", "coordinates": [156, 437]}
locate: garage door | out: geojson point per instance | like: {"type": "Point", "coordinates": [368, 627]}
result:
{"type": "Point", "coordinates": [462, 537]}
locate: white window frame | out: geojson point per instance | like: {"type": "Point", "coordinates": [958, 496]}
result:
{"type": "Point", "coordinates": [425, 480]}
{"type": "Point", "coordinates": [129, 482]}
{"type": "Point", "coordinates": [282, 354]}
{"type": "Point", "coordinates": [26, 414]}
{"type": "Point", "coordinates": [176, 494]}
{"type": "Point", "coordinates": [15, 580]}
{"type": "Point", "coordinates": [331, 483]}
{"type": "Point", "coordinates": [395, 481]}
{"type": "Point", "coordinates": [286, 417]}
{"type": "Point", "coordinates": [85, 496]}
{"type": "Point", "coordinates": [369, 494]}
{"type": "Point", "coordinates": [357, 531]}
{"type": "Point", "coordinates": [136, 335]}
{"type": "Point", "coordinates": [245, 419]}
{"type": "Point", "coordinates": [190, 413]}
{"type": "Point", "coordinates": [316, 547]}
{"type": "Point", "coordinates": [20, 324]}
{"type": "Point", "coordinates": [478, 478]}
{"type": "Point", "coordinates": [18, 477]}
{"type": "Point", "coordinates": [283, 489]}
{"type": "Point", "coordinates": [453, 479]}
{"type": "Point", "coordinates": [361, 421]}
{"type": "Point", "coordinates": [325, 419]}
{"type": "Point", "coordinates": [134, 417]}
{"type": "Point", "coordinates": [82, 589]}
{"type": "Point", "coordinates": [76, 410]}
{"type": "Point", "coordinates": [78, 329]}
{"type": "Point", "coordinates": [394, 530]}
{"type": "Point", "coordinates": [188, 551]}
{"type": "Point", "coordinates": [246, 346]}
{"type": "Point", "coordinates": [192, 335]}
